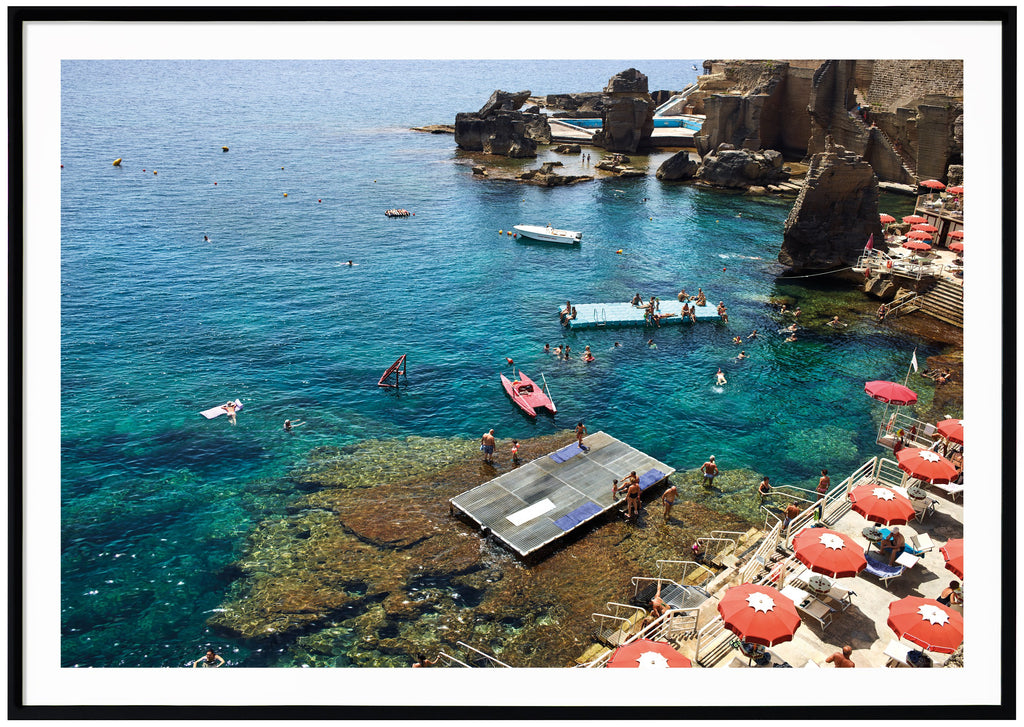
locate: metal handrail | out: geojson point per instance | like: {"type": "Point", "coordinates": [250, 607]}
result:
{"type": "Point", "coordinates": [770, 543]}
{"type": "Point", "coordinates": [704, 541]}
{"type": "Point", "coordinates": [835, 500]}
{"type": "Point", "coordinates": [684, 563]}
{"type": "Point", "coordinates": [708, 633]}
{"type": "Point", "coordinates": [486, 656]}
{"type": "Point", "coordinates": [452, 659]}
{"type": "Point", "coordinates": [657, 627]}
{"type": "Point", "coordinates": [787, 494]}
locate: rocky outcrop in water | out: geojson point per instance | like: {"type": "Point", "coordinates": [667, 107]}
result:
{"type": "Point", "coordinates": [741, 168]}
{"type": "Point", "coordinates": [627, 119]}
{"type": "Point", "coordinates": [836, 212]}
{"type": "Point", "coordinates": [547, 177]}
{"type": "Point", "coordinates": [677, 167]}
{"type": "Point", "coordinates": [500, 128]}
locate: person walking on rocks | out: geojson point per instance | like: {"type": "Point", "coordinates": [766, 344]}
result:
{"type": "Point", "coordinates": [668, 499]}
{"type": "Point", "coordinates": [710, 470]}
{"type": "Point", "coordinates": [487, 446]}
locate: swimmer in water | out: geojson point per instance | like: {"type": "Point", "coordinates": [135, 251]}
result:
{"type": "Point", "coordinates": [558, 350]}
{"type": "Point", "coordinates": [651, 343]}
{"type": "Point", "coordinates": [350, 263]}
{"type": "Point", "coordinates": [547, 348]}
{"type": "Point", "coordinates": [743, 355]}
{"type": "Point", "coordinates": [720, 378]}
{"type": "Point", "coordinates": [289, 424]}
{"type": "Point", "coordinates": [205, 238]}
{"type": "Point", "coordinates": [792, 337]}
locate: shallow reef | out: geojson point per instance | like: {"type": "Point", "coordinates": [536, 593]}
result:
{"type": "Point", "coordinates": [370, 567]}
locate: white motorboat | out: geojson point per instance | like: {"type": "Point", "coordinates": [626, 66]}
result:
{"type": "Point", "coordinates": [549, 234]}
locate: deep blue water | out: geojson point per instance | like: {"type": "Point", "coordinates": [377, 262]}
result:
{"type": "Point", "coordinates": [157, 324]}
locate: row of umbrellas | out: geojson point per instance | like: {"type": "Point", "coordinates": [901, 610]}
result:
{"type": "Point", "coordinates": [921, 230]}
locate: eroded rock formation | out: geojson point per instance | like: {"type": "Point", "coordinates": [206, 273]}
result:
{"type": "Point", "coordinates": [627, 119]}
{"type": "Point", "coordinates": [741, 168]}
{"type": "Point", "coordinates": [677, 167]}
{"type": "Point", "coordinates": [836, 212]}
{"type": "Point", "coordinates": [499, 127]}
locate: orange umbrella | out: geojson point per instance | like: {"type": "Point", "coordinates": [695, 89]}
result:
{"type": "Point", "coordinates": [917, 245]}
{"type": "Point", "coordinates": [826, 551]}
{"type": "Point", "coordinates": [926, 465]}
{"type": "Point", "coordinates": [956, 190]}
{"type": "Point", "coordinates": [924, 227]}
{"type": "Point", "coordinates": [953, 552]}
{"type": "Point", "coordinates": [913, 219]}
{"type": "Point", "coordinates": [886, 219]}
{"type": "Point", "coordinates": [927, 623]}
{"type": "Point", "coordinates": [647, 654]}
{"type": "Point", "coordinates": [956, 234]}
{"type": "Point", "coordinates": [952, 429]}
{"type": "Point", "coordinates": [890, 392]}
{"type": "Point", "coordinates": [919, 235]}
{"type": "Point", "coordinates": [932, 184]}
{"type": "Point", "coordinates": [957, 247]}
{"type": "Point", "coordinates": [759, 614]}
{"type": "Point", "coordinates": [881, 505]}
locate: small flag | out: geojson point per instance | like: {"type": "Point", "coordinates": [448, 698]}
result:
{"type": "Point", "coordinates": [913, 360]}
{"type": "Point", "coordinates": [871, 242]}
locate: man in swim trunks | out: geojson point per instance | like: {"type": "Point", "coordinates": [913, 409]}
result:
{"type": "Point", "coordinates": [581, 432]}
{"type": "Point", "coordinates": [633, 495]}
{"type": "Point", "coordinates": [668, 499]}
{"type": "Point", "coordinates": [720, 380]}
{"type": "Point", "coordinates": [230, 409]}
{"type": "Point", "coordinates": [710, 470]}
{"type": "Point", "coordinates": [487, 446]}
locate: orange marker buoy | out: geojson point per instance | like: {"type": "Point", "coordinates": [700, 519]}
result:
{"type": "Point", "coordinates": [500, 231]}
{"type": "Point", "coordinates": [143, 170]}
{"type": "Point", "coordinates": [154, 171]}
{"type": "Point", "coordinates": [510, 362]}
{"type": "Point", "coordinates": [61, 166]}
{"type": "Point", "coordinates": [285, 194]}
{"type": "Point", "coordinates": [723, 270]}
{"type": "Point", "coordinates": [319, 201]}
{"type": "Point", "coordinates": [618, 252]}
{"type": "Point", "coordinates": [214, 184]}
{"type": "Point", "coordinates": [516, 235]}
{"type": "Point", "coordinates": [117, 162]}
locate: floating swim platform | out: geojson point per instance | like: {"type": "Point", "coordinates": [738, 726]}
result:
{"type": "Point", "coordinates": [543, 500]}
{"type": "Point", "coordinates": [597, 315]}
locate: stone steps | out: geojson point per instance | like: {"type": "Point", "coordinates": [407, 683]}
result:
{"type": "Point", "coordinates": [944, 302]}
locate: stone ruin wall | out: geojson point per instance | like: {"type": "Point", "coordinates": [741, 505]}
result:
{"type": "Point", "coordinates": [904, 83]}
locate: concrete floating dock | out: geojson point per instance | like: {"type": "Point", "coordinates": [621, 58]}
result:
{"type": "Point", "coordinates": [543, 500]}
{"type": "Point", "coordinates": [596, 315]}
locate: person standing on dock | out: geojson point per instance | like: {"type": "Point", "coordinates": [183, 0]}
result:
{"type": "Point", "coordinates": [581, 432]}
{"type": "Point", "coordinates": [487, 446]}
{"type": "Point", "coordinates": [710, 470]}
{"type": "Point", "coordinates": [668, 499]}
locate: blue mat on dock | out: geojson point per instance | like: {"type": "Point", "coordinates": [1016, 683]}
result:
{"type": "Point", "coordinates": [581, 513]}
{"type": "Point", "coordinates": [566, 452]}
{"type": "Point", "coordinates": [649, 477]}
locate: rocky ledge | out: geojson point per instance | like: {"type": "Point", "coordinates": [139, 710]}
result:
{"type": "Point", "coordinates": [436, 129]}
{"type": "Point", "coordinates": [545, 176]}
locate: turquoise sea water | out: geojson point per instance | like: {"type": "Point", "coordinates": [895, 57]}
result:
{"type": "Point", "coordinates": [157, 324]}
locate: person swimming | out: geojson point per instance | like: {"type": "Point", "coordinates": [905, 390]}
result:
{"type": "Point", "coordinates": [743, 355]}
{"type": "Point", "coordinates": [720, 378]}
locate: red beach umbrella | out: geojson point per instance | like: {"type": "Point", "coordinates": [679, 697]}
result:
{"type": "Point", "coordinates": [917, 245]}
{"type": "Point", "coordinates": [932, 184]}
{"type": "Point", "coordinates": [926, 465]}
{"type": "Point", "coordinates": [759, 614]}
{"type": "Point", "coordinates": [953, 552]}
{"type": "Point", "coordinates": [924, 227]}
{"type": "Point", "coordinates": [952, 429]}
{"type": "Point", "coordinates": [957, 247]}
{"type": "Point", "coordinates": [956, 234]}
{"type": "Point", "coordinates": [913, 219]}
{"type": "Point", "coordinates": [647, 654]}
{"type": "Point", "coordinates": [927, 623]}
{"type": "Point", "coordinates": [881, 505]}
{"type": "Point", "coordinates": [890, 392]}
{"type": "Point", "coordinates": [886, 219]}
{"type": "Point", "coordinates": [919, 235]}
{"type": "Point", "coordinates": [826, 551]}
{"type": "Point", "coordinates": [956, 190]}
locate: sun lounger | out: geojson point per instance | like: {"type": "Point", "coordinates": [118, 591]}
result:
{"type": "Point", "coordinates": [819, 611]}
{"type": "Point", "coordinates": [566, 452]}
{"type": "Point", "coordinates": [650, 477]}
{"type": "Point", "coordinates": [950, 488]}
{"type": "Point", "coordinates": [918, 545]}
{"type": "Point", "coordinates": [882, 570]}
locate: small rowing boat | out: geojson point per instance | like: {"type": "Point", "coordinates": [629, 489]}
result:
{"type": "Point", "coordinates": [549, 234]}
{"type": "Point", "coordinates": [528, 395]}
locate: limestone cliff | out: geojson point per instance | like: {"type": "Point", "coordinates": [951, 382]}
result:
{"type": "Point", "coordinates": [836, 212]}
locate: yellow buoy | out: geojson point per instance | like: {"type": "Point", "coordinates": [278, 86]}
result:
{"type": "Point", "coordinates": [618, 252]}
{"type": "Point", "coordinates": [154, 171]}
{"type": "Point", "coordinates": [500, 231]}
{"type": "Point", "coordinates": [117, 162]}
{"type": "Point", "coordinates": [223, 148]}
{"type": "Point", "coordinates": [285, 194]}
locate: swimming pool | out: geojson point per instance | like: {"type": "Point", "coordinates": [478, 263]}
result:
{"type": "Point", "coordinates": [659, 122]}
